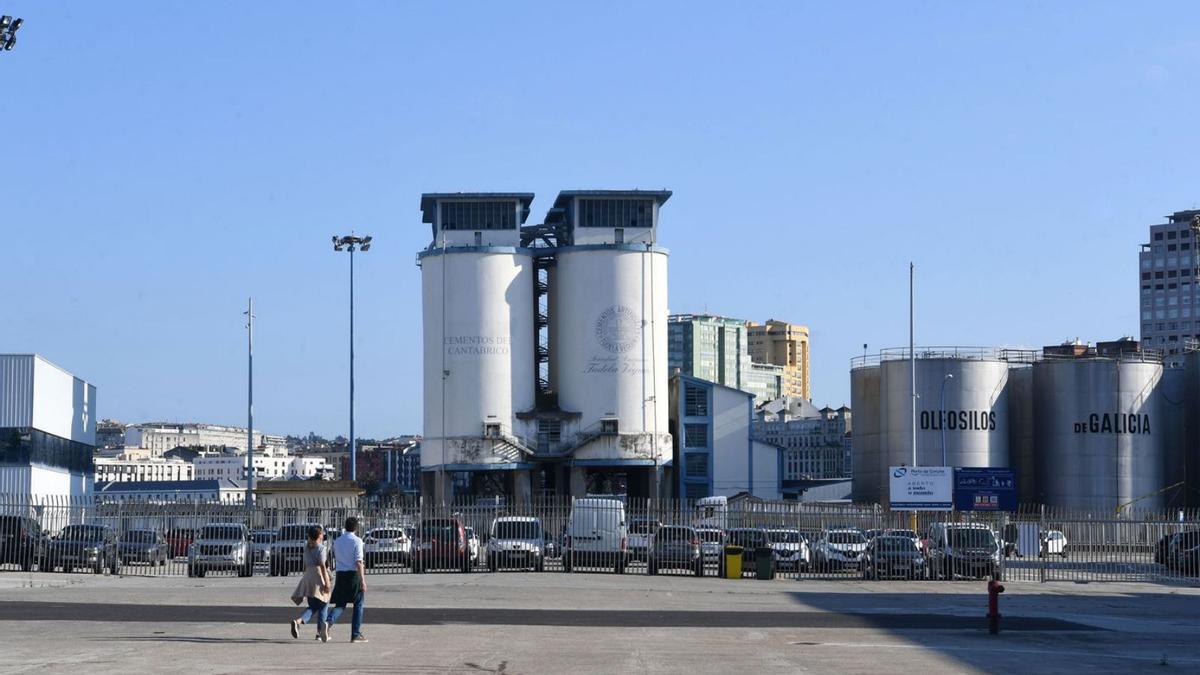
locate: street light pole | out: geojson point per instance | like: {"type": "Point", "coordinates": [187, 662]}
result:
{"type": "Point", "coordinates": [249, 403]}
{"type": "Point", "coordinates": [949, 376]}
{"type": "Point", "coordinates": [349, 243]}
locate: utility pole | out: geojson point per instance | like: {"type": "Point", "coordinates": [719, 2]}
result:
{"type": "Point", "coordinates": [249, 404]}
{"type": "Point", "coordinates": [912, 361]}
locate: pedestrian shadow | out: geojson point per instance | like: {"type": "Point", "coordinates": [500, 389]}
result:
{"type": "Point", "coordinates": [197, 639]}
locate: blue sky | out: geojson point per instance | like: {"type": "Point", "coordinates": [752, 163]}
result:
{"type": "Point", "coordinates": [164, 161]}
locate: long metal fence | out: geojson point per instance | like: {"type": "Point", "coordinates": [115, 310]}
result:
{"type": "Point", "coordinates": [786, 540]}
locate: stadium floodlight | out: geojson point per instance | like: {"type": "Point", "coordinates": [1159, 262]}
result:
{"type": "Point", "coordinates": [350, 243]}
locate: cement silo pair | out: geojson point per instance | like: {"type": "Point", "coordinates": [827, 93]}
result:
{"type": "Point", "coordinates": [601, 332]}
{"type": "Point", "coordinates": [1082, 431]}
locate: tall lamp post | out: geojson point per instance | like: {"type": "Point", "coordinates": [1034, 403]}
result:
{"type": "Point", "coordinates": [949, 376]}
{"type": "Point", "coordinates": [349, 243]}
{"type": "Point", "coordinates": [249, 404]}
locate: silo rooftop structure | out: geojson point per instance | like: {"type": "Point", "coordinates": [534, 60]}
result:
{"type": "Point", "coordinates": [477, 286]}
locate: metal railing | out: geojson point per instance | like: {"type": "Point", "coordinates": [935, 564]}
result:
{"type": "Point", "coordinates": [1010, 355]}
{"type": "Point", "coordinates": [626, 536]}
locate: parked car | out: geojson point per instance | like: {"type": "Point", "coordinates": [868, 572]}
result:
{"type": "Point", "coordinates": [640, 532]}
{"type": "Point", "coordinates": [384, 545]}
{"type": "Point", "coordinates": [1054, 542]}
{"type": "Point", "coordinates": [597, 535]}
{"type": "Point", "coordinates": [221, 546]}
{"type": "Point", "coordinates": [791, 550]}
{"type": "Point", "coordinates": [911, 534]}
{"type": "Point", "coordinates": [962, 549]}
{"type": "Point", "coordinates": [22, 542]}
{"type": "Point", "coordinates": [839, 548]}
{"type": "Point", "coordinates": [90, 546]}
{"type": "Point", "coordinates": [553, 548]}
{"type": "Point", "coordinates": [144, 546]}
{"type": "Point", "coordinates": [892, 556]}
{"type": "Point", "coordinates": [179, 539]}
{"type": "Point", "coordinates": [441, 544]}
{"type": "Point", "coordinates": [750, 539]}
{"type": "Point", "coordinates": [472, 544]}
{"type": "Point", "coordinates": [1187, 556]}
{"type": "Point", "coordinates": [261, 543]}
{"type": "Point", "coordinates": [712, 545]}
{"type": "Point", "coordinates": [287, 551]}
{"type": "Point", "coordinates": [516, 541]}
{"type": "Point", "coordinates": [1178, 550]}
{"type": "Point", "coordinates": [675, 546]}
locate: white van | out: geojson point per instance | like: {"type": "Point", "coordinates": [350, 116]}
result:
{"type": "Point", "coordinates": [712, 512]}
{"type": "Point", "coordinates": [597, 535]}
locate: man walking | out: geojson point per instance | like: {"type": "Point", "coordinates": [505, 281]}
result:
{"type": "Point", "coordinates": [350, 583]}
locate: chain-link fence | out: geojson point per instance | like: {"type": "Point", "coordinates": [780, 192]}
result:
{"type": "Point", "coordinates": [752, 539]}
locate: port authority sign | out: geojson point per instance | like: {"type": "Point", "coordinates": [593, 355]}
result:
{"type": "Point", "coordinates": [921, 488]}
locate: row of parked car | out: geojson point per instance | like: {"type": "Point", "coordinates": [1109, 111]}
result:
{"type": "Point", "coordinates": [596, 535]}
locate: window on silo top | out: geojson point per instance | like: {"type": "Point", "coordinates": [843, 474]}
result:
{"type": "Point", "coordinates": [478, 216]}
{"type": "Point", "coordinates": [624, 213]}
{"type": "Point", "coordinates": [695, 401]}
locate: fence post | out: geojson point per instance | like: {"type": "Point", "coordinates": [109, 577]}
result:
{"type": "Point", "coordinates": [1041, 528]}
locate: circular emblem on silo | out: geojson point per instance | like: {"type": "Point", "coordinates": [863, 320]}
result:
{"type": "Point", "coordinates": [618, 329]}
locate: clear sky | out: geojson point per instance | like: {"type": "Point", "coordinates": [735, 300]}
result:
{"type": "Point", "coordinates": [162, 162]}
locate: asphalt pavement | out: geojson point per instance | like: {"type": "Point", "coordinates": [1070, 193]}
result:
{"type": "Point", "coordinates": [597, 623]}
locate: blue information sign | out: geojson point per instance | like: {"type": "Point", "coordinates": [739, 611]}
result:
{"type": "Point", "coordinates": [985, 490]}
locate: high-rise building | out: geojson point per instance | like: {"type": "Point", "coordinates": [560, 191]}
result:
{"type": "Point", "coordinates": [709, 347]}
{"type": "Point", "coordinates": [783, 344]}
{"type": "Point", "coordinates": [1169, 269]}
{"type": "Point", "coordinates": [717, 349]}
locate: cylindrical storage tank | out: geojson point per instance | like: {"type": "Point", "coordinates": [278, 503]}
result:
{"type": "Point", "coordinates": [865, 462]}
{"type": "Point", "coordinates": [1175, 409]}
{"type": "Point", "coordinates": [1098, 429]}
{"type": "Point", "coordinates": [973, 422]}
{"type": "Point", "coordinates": [480, 366]}
{"type": "Point", "coordinates": [1192, 455]}
{"type": "Point", "coordinates": [1020, 431]}
{"type": "Point", "coordinates": [609, 358]}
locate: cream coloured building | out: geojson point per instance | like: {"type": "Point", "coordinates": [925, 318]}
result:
{"type": "Point", "coordinates": [128, 470]}
{"type": "Point", "coordinates": [159, 437]}
{"type": "Point", "coordinates": [783, 344]}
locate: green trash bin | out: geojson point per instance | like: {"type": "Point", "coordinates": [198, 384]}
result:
{"type": "Point", "coordinates": [764, 563]}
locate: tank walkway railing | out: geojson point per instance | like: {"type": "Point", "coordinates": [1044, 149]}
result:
{"type": "Point", "coordinates": [1012, 356]}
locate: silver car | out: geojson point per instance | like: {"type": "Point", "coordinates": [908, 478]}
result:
{"type": "Point", "coordinates": [221, 546]}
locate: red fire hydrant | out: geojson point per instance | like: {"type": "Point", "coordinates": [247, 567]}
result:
{"type": "Point", "coordinates": [995, 588]}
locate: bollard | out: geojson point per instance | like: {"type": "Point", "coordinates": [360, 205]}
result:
{"type": "Point", "coordinates": [994, 588]}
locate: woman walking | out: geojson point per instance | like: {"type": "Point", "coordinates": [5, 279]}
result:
{"type": "Point", "coordinates": [314, 586]}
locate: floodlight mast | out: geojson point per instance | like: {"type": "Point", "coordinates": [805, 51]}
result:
{"type": "Point", "coordinates": [8, 32]}
{"type": "Point", "coordinates": [349, 243]}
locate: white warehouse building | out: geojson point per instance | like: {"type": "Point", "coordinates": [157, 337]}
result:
{"type": "Point", "coordinates": [47, 429]}
{"type": "Point", "coordinates": [545, 346]}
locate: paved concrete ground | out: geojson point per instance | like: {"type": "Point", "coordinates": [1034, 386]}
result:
{"type": "Point", "coordinates": [602, 623]}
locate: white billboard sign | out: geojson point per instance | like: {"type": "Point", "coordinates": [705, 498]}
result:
{"type": "Point", "coordinates": [921, 488]}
